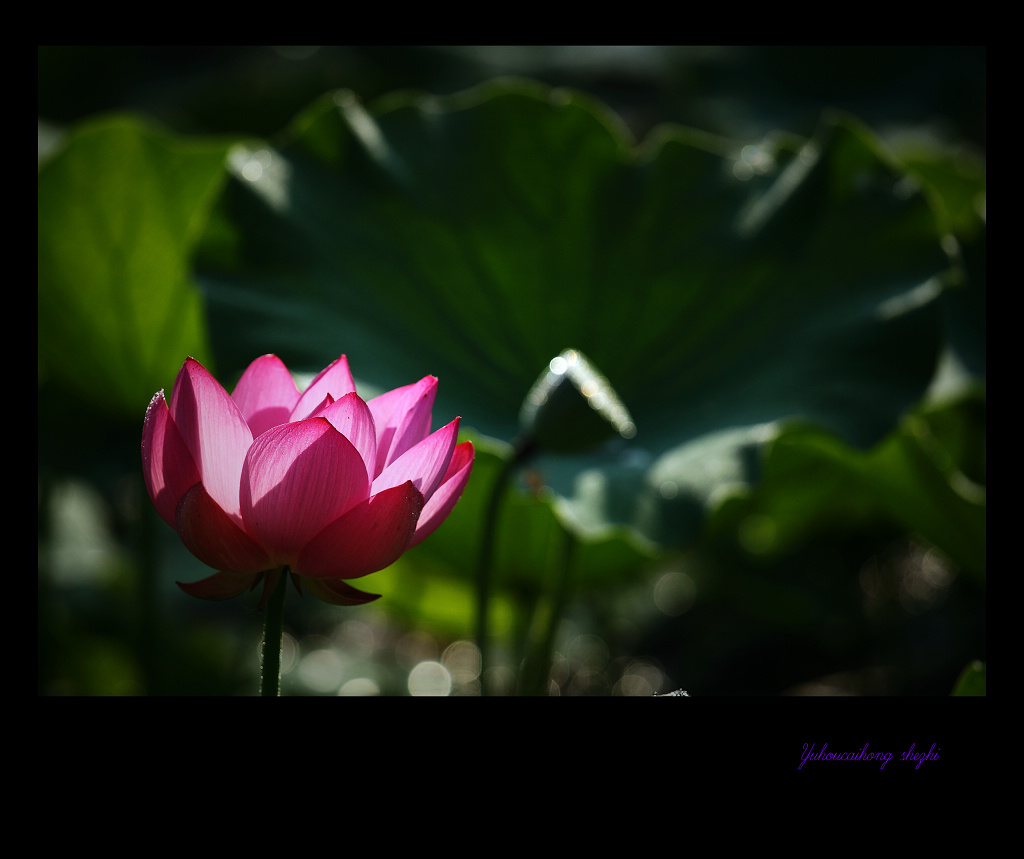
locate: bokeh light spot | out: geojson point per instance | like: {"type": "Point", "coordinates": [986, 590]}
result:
{"type": "Point", "coordinates": [361, 687]}
{"type": "Point", "coordinates": [674, 593]}
{"type": "Point", "coordinates": [462, 659]}
{"type": "Point", "coordinates": [322, 670]}
{"type": "Point", "coordinates": [430, 679]}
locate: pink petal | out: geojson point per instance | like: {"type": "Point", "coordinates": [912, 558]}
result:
{"type": "Point", "coordinates": [213, 537]}
{"type": "Point", "coordinates": [167, 465]}
{"type": "Point", "coordinates": [424, 464]}
{"type": "Point", "coordinates": [298, 478]}
{"type": "Point", "coordinates": [447, 494]}
{"type": "Point", "coordinates": [335, 379]}
{"type": "Point", "coordinates": [266, 394]}
{"type": "Point", "coordinates": [351, 417]}
{"type": "Point", "coordinates": [336, 592]}
{"type": "Point", "coordinates": [214, 431]}
{"type": "Point", "coordinates": [221, 586]}
{"type": "Point", "coordinates": [402, 417]}
{"type": "Point", "coordinates": [370, 537]}
{"type": "Point", "coordinates": [327, 401]}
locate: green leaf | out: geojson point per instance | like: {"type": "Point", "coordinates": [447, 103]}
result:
{"type": "Point", "coordinates": [957, 179]}
{"type": "Point", "coordinates": [721, 289]}
{"type": "Point", "coordinates": [120, 208]}
{"type": "Point", "coordinates": [927, 476]}
{"type": "Point", "coordinates": [972, 681]}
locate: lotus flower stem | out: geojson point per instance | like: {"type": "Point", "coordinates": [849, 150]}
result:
{"type": "Point", "coordinates": [522, 450]}
{"type": "Point", "coordinates": [537, 663]}
{"type": "Point", "coordinates": [273, 626]}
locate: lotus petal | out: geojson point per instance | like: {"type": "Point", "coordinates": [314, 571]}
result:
{"type": "Point", "coordinates": [266, 394]}
{"type": "Point", "coordinates": [335, 379]}
{"type": "Point", "coordinates": [167, 464]}
{"type": "Point", "coordinates": [221, 586]}
{"type": "Point", "coordinates": [297, 479]}
{"type": "Point", "coordinates": [447, 494]}
{"type": "Point", "coordinates": [351, 417]}
{"type": "Point", "coordinates": [336, 592]}
{"type": "Point", "coordinates": [371, 536]}
{"type": "Point", "coordinates": [214, 431]}
{"type": "Point", "coordinates": [402, 418]}
{"type": "Point", "coordinates": [214, 537]}
{"type": "Point", "coordinates": [424, 463]}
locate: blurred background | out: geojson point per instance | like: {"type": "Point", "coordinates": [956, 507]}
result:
{"type": "Point", "coordinates": [854, 601]}
{"type": "Point", "coordinates": [738, 92]}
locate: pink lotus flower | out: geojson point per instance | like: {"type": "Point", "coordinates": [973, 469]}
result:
{"type": "Point", "coordinates": [321, 483]}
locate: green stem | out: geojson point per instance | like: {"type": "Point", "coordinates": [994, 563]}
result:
{"type": "Point", "coordinates": [273, 628]}
{"type": "Point", "coordinates": [485, 561]}
{"type": "Point", "coordinates": [537, 665]}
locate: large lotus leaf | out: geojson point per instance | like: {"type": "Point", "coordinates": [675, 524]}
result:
{"type": "Point", "coordinates": [120, 207]}
{"type": "Point", "coordinates": [720, 289]}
